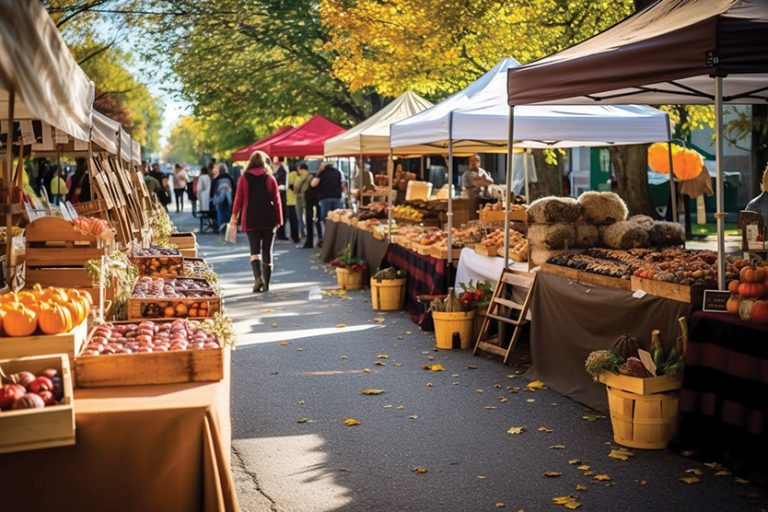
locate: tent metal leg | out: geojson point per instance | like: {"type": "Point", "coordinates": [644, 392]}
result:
{"type": "Point", "coordinates": [508, 185]}
{"type": "Point", "coordinates": [450, 190]}
{"type": "Point", "coordinates": [720, 212]}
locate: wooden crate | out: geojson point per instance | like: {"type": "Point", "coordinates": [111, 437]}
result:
{"type": "Point", "coordinates": [170, 266]}
{"type": "Point", "coordinates": [674, 291]}
{"type": "Point", "coordinates": [643, 421]}
{"type": "Point", "coordinates": [442, 253]}
{"type": "Point", "coordinates": [53, 242]}
{"type": "Point", "coordinates": [487, 251]}
{"type": "Point", "coordinates": [32, 429]}
{"type": "Point", "coordinates": [424, 250]}
{"type": "Point", "coordinates": [588, 277]}
{"type": "Point", "coordinates": [200, 266]}
{"type": "Point", "coordinates": [65, 277]}
{"type": "Point", "coordinates": [641, 386]}
{"type": "Point", "coordinates": [137, 307]}
{"type": "Point", "coordinates": [201, 365]}
{"type": "Point", "coordinates": [516, 215]}
{"type": "Point", "coordinates": [68, 343]}
{"type": "Point", "coordinates": [186, 243]}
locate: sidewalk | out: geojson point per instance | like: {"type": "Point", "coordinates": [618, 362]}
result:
{"type": "Point", "coordinates": [298, 374]}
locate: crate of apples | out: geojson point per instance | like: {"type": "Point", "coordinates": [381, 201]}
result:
{"type": "Point", "coordinates": [158, 261]}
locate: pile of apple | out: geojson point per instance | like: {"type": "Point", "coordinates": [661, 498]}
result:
{"type": "Point", "coordinates": [25, 390]}
{"type": "Point", "coordinates": [149, 336]}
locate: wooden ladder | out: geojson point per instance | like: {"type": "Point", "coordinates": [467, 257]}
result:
{"type": "Point", "coordinates": [506, 310]}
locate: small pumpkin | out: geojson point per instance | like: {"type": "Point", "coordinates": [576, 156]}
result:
{"type": "Point", "coordinates": [56, 294]}
{"type": "Point", "coordinates": [19, 321]}
{"type": "Point", "coordinates": [77, 309]}
{"type": "Point", "coordinates": [745, 309]}
{"type": "Point", "coordinates": [752, 274]}
{"type": "Point", "coordinates": [733, 286]}
{"type": "Point", "coordinates": [54, 318]}
{"type": "Point", "coordinates": [626, 346]}
{"type": "Point", "coordinates": [750, 289]}
{"type": "Point", "coordinates": [759, 313]}
{"type": "Point", "coordinates": [732, 304]}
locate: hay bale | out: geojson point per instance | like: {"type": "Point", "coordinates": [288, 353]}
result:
{"type": "Point", "coordinates": [538, 256]}
{"type": "Point", "coordinates": [603, 207]}
{"type": "Point", "coordinates": [587, 235]}
{"type": "Point", "coordinates": [664, 233]}
{"type": "Point", "coordinates": [555, 209]}
{"type": "Point", "coordinates": [625, 234]}
{"type": "Point", "coordinates": [552, 236]}
{"type": "Point", "coordinates": [643, 220]}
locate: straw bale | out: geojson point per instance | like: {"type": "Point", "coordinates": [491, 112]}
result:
{"type": "Point", "coordinates": [552, 236]}
{"type": "Point", "coordinates": [603, 206]}
{"type": "Point", "coordinates": [666, 233]}
{"type": "Point", "coordinates": [625, 234]}
{"type": "Point", "coordinates": [555, 209]}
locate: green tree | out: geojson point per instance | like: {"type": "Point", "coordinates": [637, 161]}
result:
{"type": "Point", "coordinates": [184, 142]}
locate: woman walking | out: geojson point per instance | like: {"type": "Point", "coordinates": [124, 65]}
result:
{"type": "Point", "coordinates": [179, 186]}
{"type": "Point", "coordinates": [257, 200]}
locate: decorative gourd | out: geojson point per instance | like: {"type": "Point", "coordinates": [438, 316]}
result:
{"type": "Point", "coordinates": [77, 309]}
{"type": "Point", "coordinates": [750, 289]}
{"type": "Point", "coordinates": [626, 346]}
{"type": "Point", "coordinates": [759, 313]}
{"type": "Point", "coordinates": [452, 304]}
{"type": "Point", "coordinates": [55, 294]}
{"type": "Point", "coordinates": [733, 286]}
{"type": "Point", "coordinates": [745, 309]}
{"type": "Point", "coordinates": [657, 350]}
{"type": "Point", "coordinates": [752, 274]}
{"type": "Point", "coordinates": [732, 305]}
{"type": "Point", "coordinates": [54, 318]}
{"type": "Point", "coordinates": [19, 321]}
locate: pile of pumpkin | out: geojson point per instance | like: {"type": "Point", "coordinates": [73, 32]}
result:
{"type": "Point", "coordinates": [748, 293]}
{"type": "Point", "coordinates": [49, 311]}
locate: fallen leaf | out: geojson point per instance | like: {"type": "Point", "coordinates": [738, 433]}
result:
{"type": "Point", "coordinates": [696, 472]}
{"type": "Point", "coordinates": [414, 417]}
{"type": "Point", "coordinates": [454, 383]}
{"type": "Point", "coordinates": [283, 343]}
{"type": "Point", "coordinates": [378, 319]}
{"type": "Point", "coordinates": [382, 356]}
{"type": "Point", "coordinates": [431, 357]}
{"type": "Point", "coordinates": [573, 462]}
{"type": "Point", "coordinates": [366, 370]}
{"type": "Point", "coordinates": [302, 420]}
{"type": "Point", "coordinates": [723, 472]}
{"type": "Point", "coordinates": [341, 326]}
{"type": "Point", "coordinates": [642, 482]}
{"type": "Point", "coordinates": [429, 384]}
{"type": "Point", "coordinates": [545, 429]}
{"type": "Point", "coordinates": [274, 325]}
{"type": "Point", "coordinates": [380, 363]}
{"type": "Point", "coordinates": [552, 474]}
{"type": "Point", "coordinates": [535, 384]}
{"type": "Point", "coordinates": [516, 430]}
{"type": "Point", "coordinates": [471, 367]}
{"type": "Point", "coordinates": [300, 402]}
{"type": "Point", "coordinates": [603, 478]}
{"type": "Point", "coordinates": [502, 399]}
{"type": "Point", "coordinates": [399, 337]}
{"type": "Point", "coordinates": [713, 465]}
{"type": "Point", "coordinates": [481, 477]}
{"type": "Point", "coordinates": [740, 480]}
{"type": "Point", "coordinates": [497, 386]}
{"type": "Point", "coordinates": [274, 373]}
{"type": "Point", "coordinates": [419, 469]}
{"type": "Point", "coordinates": [621, 454]}
{"type": "Point", "coordinates": [267, 310]}
{"type": "Point", "coordinates": [299, 349]}
{"type": "Point", "coordinates": [572, 505]}
{"type": "Point", "coordinates": [479, 391]}
{"type": "Point", "coordinates": [588, 473]}
{"type": "Point", "coordinates": [397, 364]}
{"type": "Point", "coordinates": [343, 470]}
{"type": "Point", "coordinates": [351, 422]}
{"type": "Point", "coordinates": [581, 487]}
{"type": "Point", "coordinates": [455, 375]}
{"type": "Point", "coordinates": [592, 417]}
{"type": "Point", "coordinates": [583, 467]}
{"type": "Point", "coordinates": [400, 407]}
{"type": "Point", "coordinates": [372, 392]}
{"type": "Point", "coordinates": [490, 408]}
{"type": "Point", "coordinates": [344, 357]}
{"type": "Point", "coordinates": [558, 447]}
{"type": "Point", "coordinates": [569, 502]}
{"type": "Point", "coordinates": [437, 367]}
{"type": "Point", "coordinates": [690, 479]}
{"type": "Point", "coordinates": [388, 406]}
{"type": "Point", "coordinates": [407, 332]}
{"type": "Point", "coordinates": [531, 400]}
{"type": "Point", "coordinates": [500, 504]}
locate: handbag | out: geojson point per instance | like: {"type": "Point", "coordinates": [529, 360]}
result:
{"type": "Point", "coordinates": [231, 234]}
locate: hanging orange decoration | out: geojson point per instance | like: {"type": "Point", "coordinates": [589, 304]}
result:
{"type": "Point", "coordinates": [658, 157]}
{"type": "Point", "coordinates": [694, 163]}
{"type": "Point", "coordinates": [686, 163]}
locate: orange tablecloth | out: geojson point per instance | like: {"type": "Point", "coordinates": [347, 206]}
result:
{"type": "Point", "coordinates": [162, 447]}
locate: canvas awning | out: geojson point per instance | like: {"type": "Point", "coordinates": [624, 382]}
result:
{"type": "Point", "coordinates": [476, 119]}
{"type": "Point", "coordinates": [371, 137]}
{"type": "Point", "coordinates": [104, 135]}
{"type": "Point", "coordinates": [243, 154]}
{"type": "Point", "coordinates": [305, 140]}
{"type": "Point", "coordinates": [36, 64]}
{"type": "Point", "coordinates": [126, 145]}
{"type": "Point", "coordinates": [136, 153]}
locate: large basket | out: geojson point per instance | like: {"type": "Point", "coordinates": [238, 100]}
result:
{"type": "Point", "coordinates": [448, 324]}
{"type": "Point", "coordinates": [388, 294]}
{"type": "Point", "coordinates": [642, 421]}
{"type": "Point", "coordinates": [349, 279]}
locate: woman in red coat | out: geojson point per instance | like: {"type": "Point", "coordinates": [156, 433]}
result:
{"type": "Point", "coordinates": [258, 201]}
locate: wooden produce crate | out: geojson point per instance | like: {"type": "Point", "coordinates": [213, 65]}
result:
{"type": "Point", "coordinates": [442, 253]}
{"type": "Point", "coordinates": [179, 366]}
{"type": "Point", "coordinates": [53, 242]}
{"type": "Point", "coordinates": [487, 251]}
{"type": "Point", "coordinates": [193, 306]}
{"type": "Point", "coordinates": [195, 267]}
{"type": "Point", "coordinates": [642, 386]}
{"type": "Point", "coordinates": [66, 277]}
{"type": "Point", "coordinates": [588, 277]}
{"type": "Point", "coordinates": [674, 291]}
{"type": "Point", "coordinates": [69, 343]}
{"type": "Point", "coordinates": [32, 429]}
{"type": "Point", "coordinates": [186, 243]}
{"type": "Point", "coordinates": [516, 215]}
{"type": "Point", "coordinates": [159, 266]}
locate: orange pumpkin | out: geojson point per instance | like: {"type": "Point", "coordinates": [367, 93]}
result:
{"type": "Point", "coordinates": [658, 157]}
{"type": "Point", "coordinates": [26, 298]}
{"type": "Point", "coordinates": [20, 321]}
{"type": "Point", "coordinates": [77, 311]}
{"type": "Point", "coordinates": [84, 296]}
{"type": "Point", "coordinates": [751, 289]}
{"type": "Point", "coordinates": [752, 274]}
{"type": "Point", "coordinates": [687, 163]}
{"type": "Point", "coordinates": [54, 318]}
{"type": "Point", "coordinates": [760, 312]}
{"type": "Point", "coordinates": [732, 305]}
{"type": "Point", "coordinates": [57, 294]}
{"type": "Point", "coordinates": [733, 286]}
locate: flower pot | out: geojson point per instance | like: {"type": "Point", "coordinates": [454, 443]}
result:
{"type": "Point", "coordinates": [448, 324]}
{"type": "Point", "coordinates": [349, 279]}
{"type": "Point", "coordinates": [388, 294]}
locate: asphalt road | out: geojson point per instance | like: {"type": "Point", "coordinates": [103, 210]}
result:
{"type": "Point", "coordinates": [297, 376]}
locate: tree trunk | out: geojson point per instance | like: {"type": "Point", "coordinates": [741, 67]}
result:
{"type": "Point", "coordinates": [630, 166]}
{"type": "Point", "coordinates": [549, 178]}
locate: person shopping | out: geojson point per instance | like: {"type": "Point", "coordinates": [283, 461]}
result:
{"type": "Point", "coordinates": [257, 201]}
{"type": "Point", "coordinates": [58, 186]}
{"type": "Point", "coordinates": [222, 187]}
{"type": "Point", "coordinates": [328, 187]}
{"type": "Point", "coordinates": [179, 186]}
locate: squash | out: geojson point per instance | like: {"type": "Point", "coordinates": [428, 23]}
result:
{"type": "Point", "coordinates": [759, 313]}
{"type": "Point", "coordinates": [20, 321]}
{"type": "Point", "coordinates": [751, 289]}
{"type": "Point", "coordinates": [733, 286]}
{"type": "Point", "coordinates": [752, 274]}
{"type": "Point", "coordinates": [626, 346]}
{"type": "Point", "coordinates": [77, 309]}
{"type": "Point", "coordinates": [732, 304]}
{"type": "Point", "coordinates": [54, 318]}
{"type": "Point", "coordinates": [745, 309]}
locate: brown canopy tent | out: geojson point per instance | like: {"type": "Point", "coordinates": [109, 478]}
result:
{"type": "Point", "coordinates": [673, 52]}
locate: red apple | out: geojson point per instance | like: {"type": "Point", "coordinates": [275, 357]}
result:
{"type": "Point", "coordinates": [28, 401]}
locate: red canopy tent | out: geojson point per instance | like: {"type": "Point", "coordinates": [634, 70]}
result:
{"type": "Point", "coordinates": [304, 140]}
{"type": "Point", "coordinates": [245, 153]}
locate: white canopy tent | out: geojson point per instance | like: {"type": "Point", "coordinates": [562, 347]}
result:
{"type": "Point", "coordinates": [477, 119]}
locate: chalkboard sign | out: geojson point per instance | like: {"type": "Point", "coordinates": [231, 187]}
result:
{"type": "Point", "coordinates": [715, 300]}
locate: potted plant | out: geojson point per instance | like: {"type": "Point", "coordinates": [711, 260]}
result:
{"type": "Point", "coordinates": [453, 322]}
{"type": "Point", "coordinates": [349, 269]}
{"type": "Point", "coordinates": [388, 289]}
{"type": "Point", "coordinates": [641, 387]}
{"type": "Point", "coordinates": [477, 297]}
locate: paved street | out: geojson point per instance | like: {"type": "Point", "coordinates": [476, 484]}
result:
{"type": "Point", "coordinates": [297, 376]}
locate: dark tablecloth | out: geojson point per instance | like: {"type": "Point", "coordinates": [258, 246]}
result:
{"type": "Point", "coordinates": [426, 276]}
{"type": "Point", "coordinates": [570, 320]}
{"type": "Point", "coordinates": [724, 398]}
{"type": "Point", "coordinates": [364, 245]}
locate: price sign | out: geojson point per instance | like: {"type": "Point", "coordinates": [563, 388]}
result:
{"type": "Point", "coordinates": [715, 300]}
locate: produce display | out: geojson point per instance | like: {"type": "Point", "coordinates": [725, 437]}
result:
{"type": "Point", "coordinates": [25, 390]}
{"type": "Point", "coordinates": [338, 215]}
{"type": "Point", "coordinates": [97, 227]}
{"type": "Point", "coordinates": [47, 311]}
{"type": "Point", "coordinates": [496, 238]}
{"type": "Point", "coordinates": [195, 268]}
{"type": "Point", "coordinates": [406, 212]}
{"type": "Point", "coordinates": [149, 336]}
{"type": "Point", "coordinates": [158, 261]}
{"type": "Point", "coordinates": [156, 288]}
{"type": "Point", "coordinates": [180, 297]}
{"type": "Point", "coordinates": [749, 291]}
{"type": "Point", "coordinates": [372, 211]}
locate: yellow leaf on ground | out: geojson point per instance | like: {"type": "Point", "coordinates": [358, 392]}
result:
{"type": "Point", "coordinates": [414, 417]}
{"type": "Point", "coordinates": [397, 364]}
{"type": "Point", "coordinates": [694, 471]}
{"type": "Point", "coordinates": [592, 417]}
{"type": "Point", "coordinates": [302, 420]}
{"type": "Point", "coordinates": [723, 472]}
{"type": "Point", "coordinates": [419, 469]}
{"type": "Point", "coordinates": [690, 479]}
{"type": "Point", "coordinates": [380, 363]}
{"type": "Point", "coordinates": [479, 390]}
{"type": "Point", "coordinates": [588, 473]}
{"type": "Point", "coordinates": [366, 370]}
{"type": "Point", "coordinates": [572, 505]}
{"type": "Point", "coordinates": [740, 480]}
{"type": "Point", "coordinates": [341, 326]}
{"type": "Point", "coordinates": [351, 422]}
{"type": "Point", "coordinates": [400, 407]}
{"type": "Point", "coordinates": [583, 467]}
{"type": "Point", "coordinates": [516, 430]}
{"type": "Point", "coordinates": [535, 384]}
{"type": "Point", "coordinates": [621, 454]}
{"type": "Point", "coordinates": [490, 408]}
{"type": "Point", "coordinates": [581, 487]}
{"type": "Point", "coordinates": [267, 310]}
{"type": "Point", "coordinates": [545, 429]}
{"type": "Point", "coordinates": [344, 357]}
{"type": "Point", "coordinates": [558, 447]}
{"type": "Point", "coordinates": [573, 462]}
{"type": "Point", "coordinates": [531, 400]}
{"type": "Point", "coordinates": [378, 319]}
{"type": "Point", "coordinates": [500, 504]}
{"type": "Point", "coordinates": [283, 343]}
{"type": "Point", "coordinates": [382, 356]}
{"type": "Point", "coordinates": [603, 478]}
{"type": "Point", "coordinates": [274, 325]}
{"type": "Point", "coordinates": [437, 367]}
{"type": "Point", "coordinates": [502, 399]}
{"type": "Point", "coordinates": [481, 477]}
{"type": "Point", "coordinates": [372, 392]}
{"type": "Point", "coordinates": [552, 474]}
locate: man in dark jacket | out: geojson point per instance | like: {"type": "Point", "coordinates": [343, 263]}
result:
{"type": "Point", "coordinates": [281, 175]}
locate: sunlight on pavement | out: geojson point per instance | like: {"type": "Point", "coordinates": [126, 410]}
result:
{"type": "Point", "coordinates": [257, 338]}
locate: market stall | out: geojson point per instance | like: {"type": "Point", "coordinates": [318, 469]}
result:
{"type": "Point", "coordinates": [243, 154]}
{"type": "Point", "coordinates": [305, 140]}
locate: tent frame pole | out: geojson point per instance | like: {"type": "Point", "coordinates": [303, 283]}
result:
{"type": "Point", "coordinates": [9, 198]}
{"type": "Point", "coordinates": [390, 189]}
{"type": "Point", "coordinates": [672, 186]}
{"type": "Point", "coordinates": [508, 184]}
{"type": "Point", "coordinates": [450, 190]}
{"type": "Point", "coordinates": [720, 214]}
{"type": "Point", "coordinates": [360, 170]}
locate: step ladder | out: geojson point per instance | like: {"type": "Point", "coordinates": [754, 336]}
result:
{"type": "Point", "coordinates": [504, 309]}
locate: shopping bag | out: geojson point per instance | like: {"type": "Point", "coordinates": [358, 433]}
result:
{"type": "Point", "coordinates": [231, 234]}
